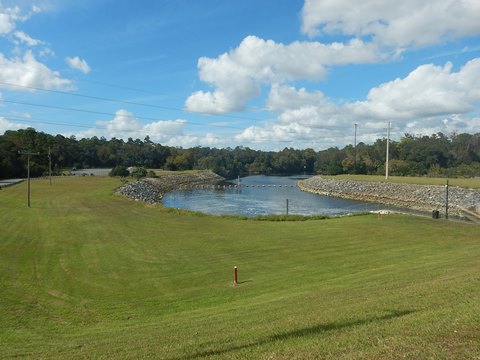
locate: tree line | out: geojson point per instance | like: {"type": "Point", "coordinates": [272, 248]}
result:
{"type": "Point", "coordinates": [434, 155]}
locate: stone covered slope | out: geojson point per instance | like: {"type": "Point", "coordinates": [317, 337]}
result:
{"type": "Point", "coordinates": [152, 190]}
{"type": "Point", "coordinates": [417, 197]}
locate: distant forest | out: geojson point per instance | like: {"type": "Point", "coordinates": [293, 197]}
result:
{"type": "Point", "coordinates": [456, 155]}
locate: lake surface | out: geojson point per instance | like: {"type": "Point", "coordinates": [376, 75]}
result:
{"type": "Point", "coordinates": [263, 195]}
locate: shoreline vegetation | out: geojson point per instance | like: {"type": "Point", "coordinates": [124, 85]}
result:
{"type": "Point", "coordinates": [438, 155]}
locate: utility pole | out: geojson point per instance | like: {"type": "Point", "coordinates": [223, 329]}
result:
{"type": "Point", "coordinates": [388, 151]}
{"type": "Point", "coordinates": [446, 200]}
{"type": "Point", "coordinates": [28, 172]}
{"type": "Point", "coordinates": [50, 166]}
{"type": "Point", "coordinates": [355, 149]}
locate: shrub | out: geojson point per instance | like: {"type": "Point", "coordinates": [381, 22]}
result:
{"type": "Point", "coordinates": [139, 172]}
{"type": "Point", "coordinates": [151, 174]}
{"type": "Point", "coordinates": [119, 170]}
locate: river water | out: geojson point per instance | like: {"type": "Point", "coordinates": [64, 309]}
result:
{"type": "Point", "coordinates": [264, 195]}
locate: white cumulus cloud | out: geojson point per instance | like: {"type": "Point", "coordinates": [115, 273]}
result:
{"type": "Point", "coordinates": [23, 68]}
{"type": "Point", "coordinates": [20, 35]}
{"type": "Point", "coordinates": [126, 125]}
{"type": "Point", "coordinates": [27, 71]}
{"type": "Point", "coordinates": [238, 75]}
{"type": "Point", "coordinates": [8, 125]}
{"type": "Point", "coordinates": [78, 64]}
{"type": "Point", "coordinates": [276, 133]}
{"type": "Point", "coordinates": [429, 90]}
{"type": "Point", "coordinates": [8, 19]}
{"type": "Point", "coordinates": [10, 16]}
{"type": "Point", "coordinates": [392, 22]}
{"type": "Point", "coordinates": [430, 99]}
{"type": "Point", "coordinates": [284, 97]}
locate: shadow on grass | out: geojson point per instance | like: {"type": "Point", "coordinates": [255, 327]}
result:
{"type": "Point", "coordinates": [244, 282]}
{"type": "Point", "coordinates": [308, 331]}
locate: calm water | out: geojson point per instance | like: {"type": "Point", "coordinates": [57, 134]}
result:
{"type": "Point", "coordinates": [263, 195]}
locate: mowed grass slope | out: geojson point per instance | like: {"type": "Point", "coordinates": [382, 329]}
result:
{"type": "Point", "coordinates": [88, 274]}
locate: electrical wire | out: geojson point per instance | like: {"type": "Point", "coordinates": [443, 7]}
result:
{"type": "Point", "coordinates": [41, 121]}
{"type": "Point", "coordinates": [48, 122]}
{"type": "Point", "coordinates": [123, 101]}
{"type": "Point", "coordinates": [7, 84]}
{"type": "Point", "coordinates": [113, 115]}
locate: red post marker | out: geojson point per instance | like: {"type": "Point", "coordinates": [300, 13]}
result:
{"type": "Point", "coordinates": [235, 275]}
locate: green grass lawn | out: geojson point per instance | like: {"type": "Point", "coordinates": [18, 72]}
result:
{"type": "Point", "coordinates": [467, 183]}
{"type": "Point", "coordinates": [88, 274]}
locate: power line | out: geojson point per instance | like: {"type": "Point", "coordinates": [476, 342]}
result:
{"type": "Point", "coordinates": [123, 101]}
{"type": "Point", "coordinates": [116, 86]}
{"type": "Point", "coordinates": [48, 122]}
{"type": "Point", "coordinates": [41, 121]}
{"type": "Point", "coordinates": [124, 115]}
{"type": "Point", "coordinates": [112, 115]}
{"type": "Point", "coordinates": [91, 97]}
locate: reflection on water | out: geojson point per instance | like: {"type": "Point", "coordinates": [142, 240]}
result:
{"type": "Point", "coordinates": [263, 195]}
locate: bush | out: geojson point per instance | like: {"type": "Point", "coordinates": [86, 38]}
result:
{"type": "Point", "coordinates": [139, 172]}
{"type": "Point", "coordinates": [119, 170]}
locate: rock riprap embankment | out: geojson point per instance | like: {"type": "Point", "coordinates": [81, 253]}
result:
{"type": "Point", "coordinates": [151, 190]}
{"type": "Point", "coordinates": [417, 197]}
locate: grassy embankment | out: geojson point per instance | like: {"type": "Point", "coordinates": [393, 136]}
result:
{"type": "Point", "coordinates": [87, 274]}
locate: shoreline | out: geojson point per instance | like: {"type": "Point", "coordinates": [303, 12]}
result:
{"type": "Point", "coordinates": [424, 198]}
{"type": "Point", "coordinates": [152, 190]}
{"type": "Point", "coordinates": [409, 196]}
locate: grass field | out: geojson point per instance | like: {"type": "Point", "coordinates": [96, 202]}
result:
{"type": "Point", "coordinates": [88, 274]}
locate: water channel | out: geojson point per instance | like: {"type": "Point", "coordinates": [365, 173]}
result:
{"type": "Point", "coordinates": [263, 195]}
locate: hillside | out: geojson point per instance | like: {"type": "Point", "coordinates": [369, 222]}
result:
{"type": "Point", "coordinates": [85, 273]}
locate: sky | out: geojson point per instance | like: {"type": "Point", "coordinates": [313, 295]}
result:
{"type": "Point", "coordinates": [266, 74]}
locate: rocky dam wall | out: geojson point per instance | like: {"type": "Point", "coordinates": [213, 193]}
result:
{"type": "Point", "coordinates": [416, 197]}
{"type": "Point", "coordinates": [152, 190]}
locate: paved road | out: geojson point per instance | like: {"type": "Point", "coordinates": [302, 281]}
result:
{"type": "Point", "coordinates": [96, 172]}
{"type": "Point", "coordinates": [8, 182]}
